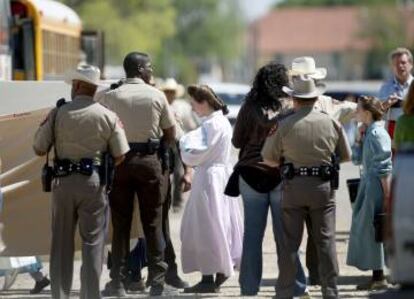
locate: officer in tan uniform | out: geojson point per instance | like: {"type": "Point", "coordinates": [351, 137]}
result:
{"type": "Point", "coordinates": [303, 146]}
{"type": "Point", "coordinates": [81, 131]}
{"type": "Point", "coordinates": [149, 125]}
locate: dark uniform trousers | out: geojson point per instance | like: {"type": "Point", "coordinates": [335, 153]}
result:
{"type": "Point", "coordinates": [312, 261]}
{"type": "Point", "coordinates": [169, 254]}
{"type": "Point", "coordinates": [78, 198]}
{"type": "Point", "coordinates": [302, 197]}
{"type": "Point", "coordinates": [139, 175]}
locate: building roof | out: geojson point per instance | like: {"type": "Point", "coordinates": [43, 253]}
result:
{"type": "Point", "coordinates": [316, 30]}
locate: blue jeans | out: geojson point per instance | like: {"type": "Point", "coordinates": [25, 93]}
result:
{"type": "Point", "coordinates": [256, 206]}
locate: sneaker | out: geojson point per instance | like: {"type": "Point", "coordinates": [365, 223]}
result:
{"type": "Point", "coordinates": [113, 289]}
{"type": "Point", "coordinates": [40, 285]}
{"type": "Point", "coordinates": [136, 286]}
{"type": "Point", "coordinates": [176, 282]}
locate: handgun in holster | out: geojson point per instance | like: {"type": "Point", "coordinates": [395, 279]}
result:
{"type": "Point", "coordinates": [287, 171]}
{"type": "Point", "coordinates": [164, 155]}
{"type": "Point", "coordinates": [335, 172]}
{"type": "Point", "coordinates": [47, 177]}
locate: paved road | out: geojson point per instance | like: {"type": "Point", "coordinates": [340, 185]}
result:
{"type": "Point", "coordinates": [348, 275]}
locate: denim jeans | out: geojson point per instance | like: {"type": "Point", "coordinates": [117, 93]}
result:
{"type": "Point", "coordinates": [256, 206]}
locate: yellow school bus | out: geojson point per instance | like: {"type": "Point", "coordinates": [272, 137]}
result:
{"type": "Point", "coordinates": [44, 39]}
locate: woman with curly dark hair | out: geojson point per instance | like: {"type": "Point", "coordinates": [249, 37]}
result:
{"type": "Point", "coordinates": [258, 183]}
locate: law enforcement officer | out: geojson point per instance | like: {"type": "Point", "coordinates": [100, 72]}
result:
{"type": "Point", "coordinates": [342, 111]}
{"type": "Point", "coordinates": [306, 142]}
{"type": "Point", "coordinates": [81, 131]}
{"type": "Point", "coordinates": [149, 125]}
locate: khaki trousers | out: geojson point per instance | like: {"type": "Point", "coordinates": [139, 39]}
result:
{"type": "Point", "coordinates": [302, 197]}
{"type": "Point", "coordinates": [77, 199]}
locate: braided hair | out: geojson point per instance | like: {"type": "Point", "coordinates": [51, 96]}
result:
{"type": "Point", "coordinates": [267, 86]}
{"type": "Point", "coordinates": [201, 93]}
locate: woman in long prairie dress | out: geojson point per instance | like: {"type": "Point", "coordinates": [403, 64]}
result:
{"type": "Point", "coordinates": [211, 229]}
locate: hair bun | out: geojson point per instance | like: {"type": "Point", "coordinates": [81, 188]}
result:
{"type": "Point", "coordinates": [225, 109]}
{"type": "Point", "coordinates": [192, 89]}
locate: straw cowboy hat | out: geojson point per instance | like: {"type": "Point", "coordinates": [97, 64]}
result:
{"type": "Point", "coordinates": [171, 84]}
{"type": "Point", "coordinates": [306, 66]}
{"type": "Point", "coordinates": [304, 87]}
{"type": "Point", "coordinates": [86, 73]}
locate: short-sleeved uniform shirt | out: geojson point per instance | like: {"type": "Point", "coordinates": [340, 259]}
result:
{"type": "Point", "coordinates": [80, 129]}
{"type": "Point", "coordinates": [143, 109]}
{"type": "Point", "coordinates": [307, 138]}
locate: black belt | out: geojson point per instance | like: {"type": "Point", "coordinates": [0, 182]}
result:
{"type": "Point", "coordinates": [145, 148]}
{"type": "Point", "coordinates": [67, 167]}
{"type": "Point", "coordinates": [324, 171]}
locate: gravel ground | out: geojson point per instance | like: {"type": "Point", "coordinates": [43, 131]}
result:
{"type": "Point", "coordinates": [349, 276]}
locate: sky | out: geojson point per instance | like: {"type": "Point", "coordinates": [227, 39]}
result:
{"type": "Point", "coordinates": [256, 8]}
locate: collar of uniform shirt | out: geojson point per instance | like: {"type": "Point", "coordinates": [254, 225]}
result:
{"type": "Point", "coordinates": [406, 84]}
{"type": "Point", "coordinates": [83, 98]}
{"type": "Point", "coordinates": [305, 109]}
{"type": "Point", "coordinates": [134, 81]}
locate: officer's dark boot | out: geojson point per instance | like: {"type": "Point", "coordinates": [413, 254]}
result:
{"type": "Point", "coordinates": [114, 289]}
{"type": "Point", "coordinates": [172, 278]}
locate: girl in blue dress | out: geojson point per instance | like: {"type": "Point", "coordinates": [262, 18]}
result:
{"type": "Point", "coordinates": [373, 152]}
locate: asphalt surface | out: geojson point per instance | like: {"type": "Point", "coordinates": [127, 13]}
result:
{"type": "Point", "coordinates": [348, 279]}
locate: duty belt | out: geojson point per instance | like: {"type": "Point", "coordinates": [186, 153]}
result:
{"type": "Point", "coordinates": [145, 148]}
{"type": "Point", "coordinates": [67, 167]}
{"type": "Point", "coordinates": [289, 171]}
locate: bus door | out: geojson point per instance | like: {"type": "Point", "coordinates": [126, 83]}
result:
{"type": "Point", "coordinates": [5, 57]}
{"type": "Point", "coordinates": [23, 52]}
{"type": "Point", "coordinates": [93, 49]}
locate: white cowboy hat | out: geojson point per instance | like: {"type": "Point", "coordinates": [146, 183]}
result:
{"type": "Point", "coordinates": [306, 66]}
{"type": "Point", "coordinates": [86, 73]}
{"type": "Point", "coordinates": [171, 84]}
{"type": "Point", "coordinates": [304, 87]}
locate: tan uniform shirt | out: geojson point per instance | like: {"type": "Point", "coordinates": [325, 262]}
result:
{"type": "Point", "coordinates": [307, 138]}
{"type": "Point", "coordinates": [341, 111]}
{"type": "Point", "coordinates": [82, 129]}
{"type": "Point", "coordinates": [143, 109]}
{"type": "Point", "coordinates": [184, 112]}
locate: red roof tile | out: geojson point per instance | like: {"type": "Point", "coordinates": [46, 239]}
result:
{"type": "Point", "coordinates": [316, 30]}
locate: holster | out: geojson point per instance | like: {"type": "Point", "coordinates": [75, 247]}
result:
{"type": "Point", "coordinates": [107, 171]}
{"type": "Point", "coordinates": [287, 171]}
{"type": "Point", "coordinates": [164, 155]}
{"type": "Point", "coordinates": [47, 177]}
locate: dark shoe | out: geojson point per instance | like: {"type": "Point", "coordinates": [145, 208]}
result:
{"type": "Point", "coordinates": [40, 285]}
{"type": "Point", "coordinates": [314, 281]}
{"type": "Point", "coordinates": [373, 285]}
{"type": "Point", "coordinates": [114, 289]}
{"type": "Point", "coordinates": [176, 282]}
{"type": "Point", "coordinates": [203, 287]}
{"type": "Point", "coordinates": [220, 279]}
{"type": "Point", "coordinates": [136, 286]}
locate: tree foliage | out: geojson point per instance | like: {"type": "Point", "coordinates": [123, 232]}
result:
{"type": "Point", "coordinates": [208, 31]}
{"type": "Point", "coordinates": [128, 24]}
{"type": "Point", "coordinates": [181, 35]}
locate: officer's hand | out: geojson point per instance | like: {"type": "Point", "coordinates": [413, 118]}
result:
{"type": "Point", "coordinates": [186, 182]}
